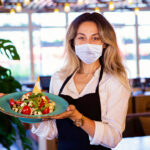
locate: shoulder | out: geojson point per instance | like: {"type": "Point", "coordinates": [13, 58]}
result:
{"type": "Point", "coordinates": [57, 80]}
{"type": "Point", "coordinates": [112, 83]}
{"type": "Point", "coordinates": [58, 77]}
{"type": "Point", "coordinates": [55, 77]}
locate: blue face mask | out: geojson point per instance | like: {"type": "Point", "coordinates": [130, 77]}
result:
{"type": "Point", "coordinates": [88, 53]}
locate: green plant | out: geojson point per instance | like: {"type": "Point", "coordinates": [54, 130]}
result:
{"type": "Point", "coordinates": [10, 126]}
{"type": "Point", "coordinates": [7, 48]}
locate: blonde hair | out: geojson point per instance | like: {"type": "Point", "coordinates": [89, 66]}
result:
{"type": "Point", "coordinates": [111, 57]}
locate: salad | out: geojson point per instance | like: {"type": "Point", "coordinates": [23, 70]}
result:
{"type": "Point", "coordinates": [33, 104]}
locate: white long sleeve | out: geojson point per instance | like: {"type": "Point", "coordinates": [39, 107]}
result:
{"type": "Point", "coordinates": [46, 129]}
{"type": "Point", "coordinates": [109, 131]}
{"type": "Point", "coordinates": [114, 102]}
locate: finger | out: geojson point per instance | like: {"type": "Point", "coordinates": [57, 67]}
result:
{"type": "Point", "coordinates": [71, 108]}
{"type": "Point", "coordinates": [2, 94]}
{"type": "Point", "coordinates": [62, 116]}
{"type": "Point", "coordinates": [45, 119]}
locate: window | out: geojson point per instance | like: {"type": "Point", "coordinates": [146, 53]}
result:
{"type": "Point", "coordinates": [125, 31]}
{"type": "Point", "coordinates": [21, 41]}
{"type": "Point", "coordinates": [48, 41]}
{"type": "Point", "coordinates": [49, 19]}
{"type": "Point", "coordinates": [48, 50]}
{"type": "Point", "coordinates": [144, 43]}
{"type": "Point", "coordinates": [120, 18]}
{"type": "Point", "coordinates": [72, 16]}
{"type": "Point", "coordinates": [48, 33]}
{"type": "Point", "coordinates": [8, 20]}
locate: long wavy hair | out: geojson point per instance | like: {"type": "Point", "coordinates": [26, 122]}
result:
{"type": "Point", "coordinates": [111, 60]}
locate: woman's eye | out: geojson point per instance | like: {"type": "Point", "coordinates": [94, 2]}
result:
{"type": "Point", "coordinates": [96, 38]}
{"type": "Point", "coordinates": [81, 38]}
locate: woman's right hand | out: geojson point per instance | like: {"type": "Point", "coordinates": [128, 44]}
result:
{"type": "Point", "coordinates": [2, 94]}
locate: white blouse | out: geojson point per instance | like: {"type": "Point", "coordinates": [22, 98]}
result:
{"type": "Point", "coordinates": [114, 103]}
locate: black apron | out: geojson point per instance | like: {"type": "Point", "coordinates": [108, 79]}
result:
{"type": "Point", "coordinates": [71, 137]}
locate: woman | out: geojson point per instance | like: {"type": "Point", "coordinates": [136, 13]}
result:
{"type": "Point", "coordinates": [94, 83]}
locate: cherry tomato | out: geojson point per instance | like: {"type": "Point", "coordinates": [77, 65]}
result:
{"type": "Point", "coordinates": [11, 102]}
{"type": "Point", "coordinates": [47, 99]}
{"type": "Point", "coordinates": [29, 93]}
{"type": "Point", "coordinates": [18, 102]}
{"type": "Point", "coordinates": [26, 110]}
{"type": "Point", "coordinates": [41, 104]}
{"type": "Point", "coordinates": [45, 111]}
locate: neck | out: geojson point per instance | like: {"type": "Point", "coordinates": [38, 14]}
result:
{"type": "Point", "coordinates": [89, 68]}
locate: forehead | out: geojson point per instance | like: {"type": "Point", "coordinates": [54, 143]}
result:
{"type": "Point", "coordinates": [87, 27]}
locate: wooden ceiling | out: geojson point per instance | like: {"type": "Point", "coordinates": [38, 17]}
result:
{"type": "Point", "coordinates": [50, 5]}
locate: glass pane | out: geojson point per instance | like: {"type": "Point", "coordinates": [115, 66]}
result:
{"type": "Point", "coordinates": [49, 19]}
{"type": "Point", "coordinates": [48, 50]}
{"type": "Point", "coordinates": [126, 42]}
{"type": "Point", "coordinates": [143, 17]}
{"type": "Point", "coordinates": [72, 16]}
{"type": "Point", "coordinates": [123, 18]}
{"type": "Point", "coordinates": [20, 69]}
{"type": "Point", "coordinates": [20, 19]}
{"type": "Point", "coordinates": [144, 51]}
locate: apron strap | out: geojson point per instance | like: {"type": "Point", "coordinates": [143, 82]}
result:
{"type": "Point", "coordinates": [100, 78]}
{"type": "Point", "coordinates": [62, 87]}
{"type": "Point", "coordinates": [69, 77]}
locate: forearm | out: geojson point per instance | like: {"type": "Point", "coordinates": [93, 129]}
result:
{"type": "Point", "coordinates": [88, 126]}
{"type": "Point", "coordinates": [45, 129]}
{"type": "Point", "coordinates": [36, 125]}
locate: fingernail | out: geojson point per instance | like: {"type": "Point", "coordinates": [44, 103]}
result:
{"type": "Point", "coordinates": [68, 109]}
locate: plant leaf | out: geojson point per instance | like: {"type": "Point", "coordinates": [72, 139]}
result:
{"type": "Point", "coordinates": [9, 49]}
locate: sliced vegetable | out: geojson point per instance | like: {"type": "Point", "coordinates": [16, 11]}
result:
{"type": "Point", "coordinates": [11, 102]}
{"type": "Point", "coordinates": [19, 102]}
{"type": "Point", "coordinates": [29, 93]}
{"type": "Point", "coordinates": [33, 104]}
{"type": "Point", "coordinates": [26, 110]}
{"type": "Point", "coordinates": [46, 110]}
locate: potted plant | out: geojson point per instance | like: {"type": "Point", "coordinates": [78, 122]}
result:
{"type": "Point", "coordinates": [10, 127]}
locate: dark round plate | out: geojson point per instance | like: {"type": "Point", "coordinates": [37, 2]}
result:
{"type": "Point", "coordinates": [60, 103]}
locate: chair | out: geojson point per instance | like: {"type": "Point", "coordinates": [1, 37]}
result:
{"type": "Point", "coordinates": [45, 82]}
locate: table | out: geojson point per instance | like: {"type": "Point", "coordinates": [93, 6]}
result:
{"type": "Point", "coordinates": [134, 143]}
{"type": "Point", "coordinates": [139, 101]}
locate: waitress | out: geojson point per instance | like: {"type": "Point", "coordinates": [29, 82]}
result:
{"type": "Point", "coordinates": [94, 83]}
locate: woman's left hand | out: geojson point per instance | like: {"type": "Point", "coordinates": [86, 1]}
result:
{"type": "Point", "coordinates": [71, 113]}
{"type": "Point", "coordinates": [2, 94]}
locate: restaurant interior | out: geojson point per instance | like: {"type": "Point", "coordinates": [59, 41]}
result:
{"type": "Point", "coordinates": [36, 30]}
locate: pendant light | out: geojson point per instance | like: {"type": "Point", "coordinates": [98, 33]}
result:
{"type": "Point", "coordinates": [56, 10]}
{"type": "Point", "coordinates": [97, 9]}
{"type": "Point", "coordinates": [27, 2]}
{"type": "Point", "coordinates": [12, 11]}
{"type": "Point", "coordinates": [136, 10]}
{"type": "Point", "coordinates": [130, 2]}
{"type": "Point", "coordinates": [18, 7]}
{"type": "Point", "coordinates": [80, 2]}
{"type": "Point", "coordinates": [67, 7]}
{"type": "Point", "coordinates": [111, 6]}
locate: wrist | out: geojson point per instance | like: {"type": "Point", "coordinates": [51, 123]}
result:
{"type": "Point", "coordinates": [79, 122]}
{"type": "Point", "coordinates": [77, 115]}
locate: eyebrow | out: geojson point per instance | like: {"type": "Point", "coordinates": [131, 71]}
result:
{"type": "Point", "coordinates": [84, 34]}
